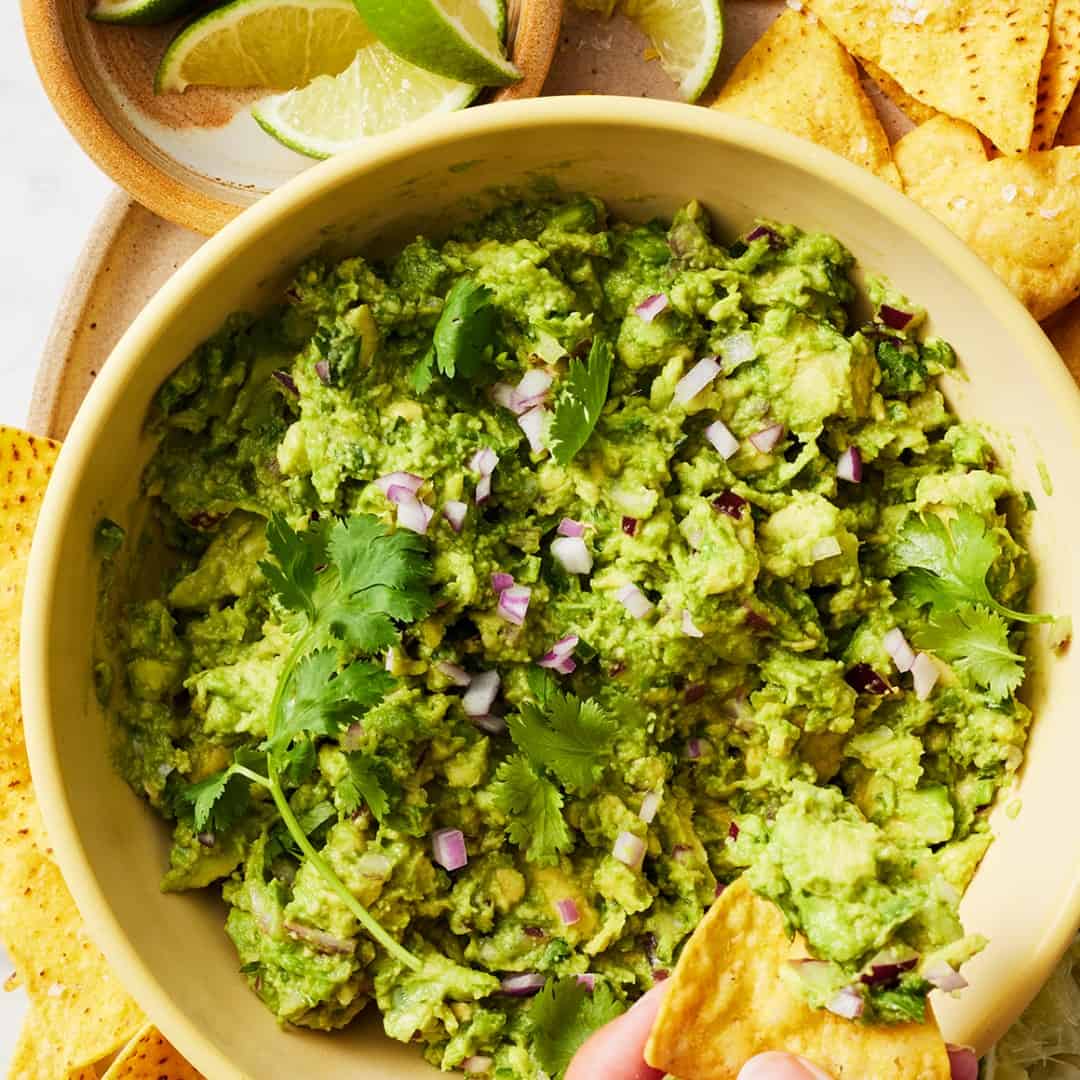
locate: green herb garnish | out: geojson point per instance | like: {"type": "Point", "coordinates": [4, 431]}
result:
{"type": "Point", "coordinates": [976, 642]}
{"type": "Point", "coordinates": [563, 1015]}
{"type": "Point", "coordinates": [464, 338]}
{"type": "Point", "coordinates": [533, 808]}
{"type": "Point", "coordinates": [581, 397]}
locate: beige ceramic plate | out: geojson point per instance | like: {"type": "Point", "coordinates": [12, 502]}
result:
{"type": "Point", "coordinates": [196, 158]}
{"type": "Point", "coordinates": [645, 158]}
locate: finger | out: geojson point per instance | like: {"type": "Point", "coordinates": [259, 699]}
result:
{"type": "Point", "coordinates": [777, 1066]}
{"type": "Point", "coordinates": [617, 1050]}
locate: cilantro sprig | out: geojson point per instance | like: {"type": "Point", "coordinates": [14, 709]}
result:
{"type": "Point", "coordinates": [350, 585]}
{"type": "Point", "coordinates": [533, 808]}
{"type": "Point", "coordinates": [976, 642]}
{"type": "Point", "coordinates": [562, 1016]}
{"type": "Point", "coordinates": [581, 398]}
{"type": "Point", "coordinates": [946, 566]}
{"type": "Point", "coordinates": [464, 339]}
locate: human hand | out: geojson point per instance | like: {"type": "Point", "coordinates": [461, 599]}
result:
{"type": "Point", "coordinates": [617, 1051]}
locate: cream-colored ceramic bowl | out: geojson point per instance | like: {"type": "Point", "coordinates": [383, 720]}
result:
{"type": "Point", "coordinates": [645, 158]}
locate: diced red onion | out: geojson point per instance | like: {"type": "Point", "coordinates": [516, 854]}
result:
{"type": "Point", "coordinates": [847, 1003]}
{"type": "Point", "coordinates": [885, 972]}
{"type": "Point", "coordinates": [500, 581]}
{"type": "Point", "coordinates": [759, 232]}
{"type": "Point", "coordinates": [532, 423]}
{"type": "Point", "coordinates": [767, 438]}
{"type": "Point", "coordinates": [634, 600]}
{"type": "Point", "coordinates": [924, 673]}
{"type": "Point", "coordinates": [320, 940]}
{"type": "Point", "coordinates": [353, 737]}
{"type": "Point", "coordinates": [963, 1064]}
{"type": "Point", "coordinates": [896, 645]}
{"type": "Point", "coordinates": [449, 848]}
{"type": "Point", "coordinates": [391, 660]}
{"type": "Point", "coordinates": [412, 514]}
{"type": "Point", "coordinates": [696, 379]}
{"type": "Point", "coordinates": [650, 804]}
{"type": "Point", "coordinates": [514, 604]}
{"type": "Point", "coordinates": [534, 932]}
{"type": "Point", "coordinates": [733, 831]}
{"type": "Point", "coordinates": [694, 692]}
{"type": "Point", "coordinates": [482, 491]}
{"type": "Point", "coordinates": [729, 503]}
{"type": "Point", "coordinates": [651, 306]}
{"type": "Point", "coordinates": [483, 689]}
{"type": "Point", "coordinates": [322, 369]}
{"type": "Point", "coordinates": [865, 680]}
{"type": "Point", "coordinates": [572, 554]}
{"type": "Point", "coordinates": [719, 890]}
{"type": "Point", "coordinates": [737, 348]}
{"type": "Point", "coordinates": [523, 985]}
{"type": "Point", "coordinates": [493, 725]}
{"type": "Point", "coordinates": [407, 480]}
{"type": "Point", "coordinates": [849, 465]}
{"type": "Point", "coordinates": [477, 1065]}
{"type": "Point", "coordinates": [629, 525]}
{"type": "Point", "coordinates": [533, 388]}
{"type": "Point", "coordinates": [483, 461]}
{"type": "Point", "coordinates": [457, 675]}
{"type": "Point", "coordinates": [828, 547]}
{"type": "Point", "coordinates": [688, 627]}
{"type": "Point", "coordinates": [696, 748]}
{"type": "Point", "coordinates": [944, 977]}
{"type": "Point", "coordinates": [374, 864]}
{"type": "Point", "coordinates": [719, 434]}
{"type": "Point", "coordinates": [568, 912]}
{"type": "Point", "coordinates": [558, 657]}
{"type": "Point", "coordinates": [287, 381]}
{"type": "Point", "coordinates": [588, 980]}
{"type": "Point", "coordinates": [570, 527]}
{"type": "Point", "coordinates": [207, 839]}
{"type": "Point", "coordinates": [454, 512]}
{"type": "Point", "coordinates": [506, 396]}
{"type": "Point", "coordinates": [629, 849]}
{"type": "Point", "coordinates": [894, 318]}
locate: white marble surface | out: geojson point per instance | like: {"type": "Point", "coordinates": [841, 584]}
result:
{"type": "Point", "coordinates": [50, 193]}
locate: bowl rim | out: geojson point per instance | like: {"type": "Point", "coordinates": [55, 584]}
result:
{"type": "Point", "coordinates": [166, 194]}
{"type": "Point", "coordinates": [616, 112]}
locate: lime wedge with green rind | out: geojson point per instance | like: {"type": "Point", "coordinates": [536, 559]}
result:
{"type": "Point", "coordinates": [455, 38]}
{"type": "Point", "coordinates": [271, 44]}
{"type": "Point", "coordinates": [138, 12]}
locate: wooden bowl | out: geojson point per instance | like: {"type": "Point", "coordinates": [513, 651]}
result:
{"type": "Point", "coordinates": [196, 158]}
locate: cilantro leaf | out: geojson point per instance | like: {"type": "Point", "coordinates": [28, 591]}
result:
{"type": "Point", "coordinates": [533, 807]}
{"type": "Point", "coordinates": [581, 397]}
{"type": "Point", "coordinates": [947, 567]}
{"type": "Point", "coordinates": [976, 642]}
{"type": "Point", "coordinates": [219, 801]}
{"type": "Point", "coordinates": [321, 701]}
{"type": "Point", "coordinates": [464, 337]}
{"type": "Point", "coordinates": [568, 736]}
{"type": "Point", "coordinates": [293, 575]}
{"type": "Point", "coordinates": [368, 782]}
{"type": "Point", "coordinates": [562, 1016]}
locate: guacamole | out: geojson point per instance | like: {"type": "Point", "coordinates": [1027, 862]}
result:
{"type": "Point", "coordinates": [503, 601]}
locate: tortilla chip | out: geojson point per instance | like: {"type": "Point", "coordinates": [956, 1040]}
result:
{"type": "Point", "coordinates": [798, 77]}
{"type": "Point", "coordinates": [1060, 73]}
{"type": "Point", "coordinates": [76, 999]}
{"type": "Point", "coordinates": [1064, 331]}
{"type": "Point", "coordinates": [915, 111]}
{"type": "Point", "coordinates": [1020, 214]}
{"type": "Point", "coordinates": [37, 1055]}
{"type": "Point", "coordinates": [978, 60]}
{"type": "Point", "coordinates": [1068, 132]}
{"type": "Point", "coordinates": [938, 147]}
{"type": "Point", "coordinates": [150, 1056]}
{"type": "Point", "coordinates": [728, 1002]}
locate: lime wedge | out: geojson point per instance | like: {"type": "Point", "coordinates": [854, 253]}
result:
{"type": "Point", "coordinates": [276, 44]}
{"type": "Point", "coordinates": [138, 12]}
{"type": "Point", "coordinates": [378, 92]}
{"type": "Point", "coordinates": [456, 38]}
{"type": "Point", "coordinates": [686, 33]}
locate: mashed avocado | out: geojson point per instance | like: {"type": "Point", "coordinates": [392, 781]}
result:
{"type": "Point", "coordinates": [684, 569]}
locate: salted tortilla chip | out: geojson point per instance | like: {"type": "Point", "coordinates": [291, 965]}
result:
{"type": "Point", "coordinates": [798, 77]}
{"type": "Point", "coordinates": [728, 1002]}
{"type": "Point", "coordinates": [1020, 214]}
{"type": "Point", "coordinates": [1068, 132]}
{"type": "Point", "coordinates": [150, 1056]}
{"type": "Point", "coordinates": [1060, 73]}
{"type": "Point", "coordinates": [939, 146]}
{"type": "Point", "coordinates": [38, 1055]}
{"type": "Point", "coordinates": [978, 60]}
{"type": "Point", "coordinates": [914, 110]}
{"type": "Point", "coordinates": [76, 999]}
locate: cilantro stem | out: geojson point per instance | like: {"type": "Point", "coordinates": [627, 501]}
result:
{"type": "Point", "coordinates": [326, 872]}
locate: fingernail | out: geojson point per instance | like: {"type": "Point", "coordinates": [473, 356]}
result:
{"type": "Point", "coordinates": [777, 1066]}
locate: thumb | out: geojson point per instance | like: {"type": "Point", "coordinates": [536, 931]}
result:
{"type": "Point", "coordinates": [617, 1050]}
{"type": "Point", "coordinates": [777, 1066]}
